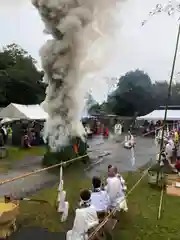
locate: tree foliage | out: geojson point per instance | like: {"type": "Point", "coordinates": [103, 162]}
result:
{"type": "Point", "coordinates": [20, 80]}
{"type": "Point", "coordinates": [95, 108]}
{"type": "Point", "coordinates": [136, 94]}
{"type": "Point", "coordinates": [133, 93]}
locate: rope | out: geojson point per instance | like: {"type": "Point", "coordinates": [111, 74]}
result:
{"type": "Point", "coordinates": [145, 134]}
{"type": "Point", "coordinates": [41, 170]}
{"type": "Point", "coordinates": [93, 234]}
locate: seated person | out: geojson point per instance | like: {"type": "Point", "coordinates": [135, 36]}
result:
{"type": "Point", "coordinates": [99, 198]}
{"type": "Point", "coordinates": [26, 141]}
{"type": "Point", "coordinates": [85, 218]}
{"type": "Point", "coordinates": [115, 191]}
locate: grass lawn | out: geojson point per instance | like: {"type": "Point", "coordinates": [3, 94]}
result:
{"type": "Point", "coordinates": [139, 223]}
{"type": "Point", "coordinates": [15, 154]}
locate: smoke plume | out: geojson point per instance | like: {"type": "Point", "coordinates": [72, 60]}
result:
{"type": "Point", "coordinates": [76, 26]}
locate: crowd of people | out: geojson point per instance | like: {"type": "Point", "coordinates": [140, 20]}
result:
{"type": "Point", "coordinates": [150, 127]}
{"type": "Point", "coordinates": [95, 204]}
{"type": "Point", "coordinates": [30, 134]}
{"type": "Point", "coordinates": [97, 129]}
{"type": "Point", "coordinates": [170, 153]}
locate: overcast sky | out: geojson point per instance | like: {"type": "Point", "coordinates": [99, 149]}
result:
{"type": "Point", "coordinates": [149, 48]}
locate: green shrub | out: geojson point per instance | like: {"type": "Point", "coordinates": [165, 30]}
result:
{"type": "Point", "coordinates": [66, 153]}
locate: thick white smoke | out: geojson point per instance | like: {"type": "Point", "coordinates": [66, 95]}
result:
{"type": "Point", "coordinates": [76, 27]}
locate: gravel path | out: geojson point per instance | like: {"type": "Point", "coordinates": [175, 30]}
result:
{"type": "Point", "coordinates": [145, 150]}
{"type": "Point", "coordinates": [103, 152]}
{"type": "Point", "coordinates": [28, 185]}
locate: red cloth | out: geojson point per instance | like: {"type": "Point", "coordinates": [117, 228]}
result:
{"type": "Point", "coordinates": [106, 132]}
{"type": "Point", "coordinates": [75, 148]}
{"type": "Point", "coordinates": [177, 165]}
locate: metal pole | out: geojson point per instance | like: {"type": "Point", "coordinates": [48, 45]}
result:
{"type": "Point", "coordinates": [168, 97]}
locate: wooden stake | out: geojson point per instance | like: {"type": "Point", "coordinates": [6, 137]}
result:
{"type": "Point", "coordinates": [160, 203]}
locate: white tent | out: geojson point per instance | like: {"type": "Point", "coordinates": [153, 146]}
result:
{"type": "Point", "coordinates": [5, 120]}
{"type": "Point", "coordinates": [172, 115]}
{"type": "Point", "coordinates": [18, 111]}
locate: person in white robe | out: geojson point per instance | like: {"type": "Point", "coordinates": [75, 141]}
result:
{"type": "Point", "coordinates": [115, 191]}
{"type": "Point", "coordinates": [99, 198]}
{"type": "Point", "coordinates": [118, 175]}
{"type": "Point", "coordinates": [169, 147]}
{"type": "Point", "coordinates": [129, 141]}
{"type": "Point", "coordinates": [85, 219]}
{"type": "Point", "coordinates": [123, 183]}
{"type": "Point", "coordinates": [117, 131]}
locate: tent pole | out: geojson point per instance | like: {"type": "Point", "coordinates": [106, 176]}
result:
{"type": "Point", "coordinates": [168, 99]}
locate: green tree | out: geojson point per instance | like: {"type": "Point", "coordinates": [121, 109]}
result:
{"type": "Point", "coordinates": [95, 108]}
{"type": "Point", "coordinates": [160, 92]}
{"type": "Point", "coordinates": [20, 80]}
{"type": "Point", "coordinates": [134, 94]}
{"type": "Point", "coordinates": [175, 94]}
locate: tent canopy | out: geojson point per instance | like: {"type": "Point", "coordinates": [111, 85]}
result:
{"type": "Point", "coordinates": [5, 120]}
{"type": "Point", "coordinates": [18, 111]}
{"type": "Point", "coordinates": [172, 115]}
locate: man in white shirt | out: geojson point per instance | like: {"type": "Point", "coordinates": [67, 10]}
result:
{"type": "Point", "coordinates": [85, 218]}
{"type": "Point", "coordinates": [99, 198]}
{"type": "Point", "coordinates": [115, 191]}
